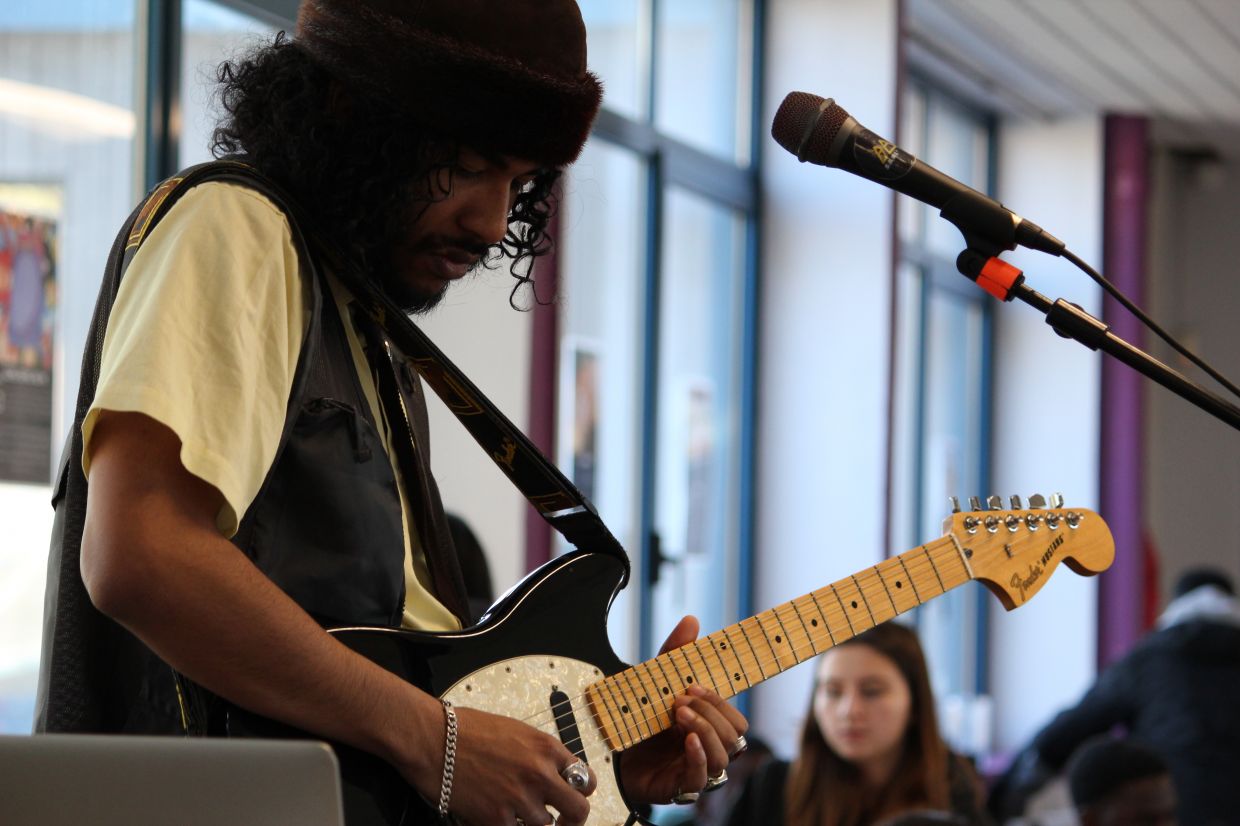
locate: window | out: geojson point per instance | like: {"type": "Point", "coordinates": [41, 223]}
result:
{"type": "Point", "coordinates": [942, 415]}
{"type": "Point", "coordinates": [656, 318]}
{"type": "Point", "coordinates": [67, 127]}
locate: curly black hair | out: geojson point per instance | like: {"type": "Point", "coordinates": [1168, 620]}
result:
{"type": "Point", "coordinates": [348, 157]}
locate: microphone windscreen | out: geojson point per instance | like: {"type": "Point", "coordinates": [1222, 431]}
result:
{"type": "Point", "coordinates": [806, 125]}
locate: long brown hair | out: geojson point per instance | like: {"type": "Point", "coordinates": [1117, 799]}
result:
{"type": "Point", "coordinates": [824, 789]}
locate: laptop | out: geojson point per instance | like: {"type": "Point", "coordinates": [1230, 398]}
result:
{"type": "Point", "coordinates": [52, 779]}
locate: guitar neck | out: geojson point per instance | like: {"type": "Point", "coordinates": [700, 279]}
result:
{"type": "Point", "coordinates": [635, 704]}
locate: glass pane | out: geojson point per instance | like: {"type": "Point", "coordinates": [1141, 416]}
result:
{"type": "Point", "coordinates": [698, 417]}
{"type": "Point", "coordinates": [600, 361]}
{"type": "Point", "coordinates": [907, 410]}
{"type": "Point", "coordinates": [913, 214]}
{"type": "Point", "coordinates": [67, 126]}
{"type": "Point", "coordinates": [952, 461]}
{"type": "Point", "coordinates": [702, 62]}
{"type": "Point", "coordinates": [956, 144]}
{"type": "Point", "coordinates": [213, 34]}
{"type": "Point", "coordinates": [618, 33]}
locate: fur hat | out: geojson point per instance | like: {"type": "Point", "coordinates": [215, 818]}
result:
{"type": "Point", "coordinates": [500, 76]}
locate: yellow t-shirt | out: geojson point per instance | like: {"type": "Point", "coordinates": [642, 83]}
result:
{"type": "Point", "coordinates": [204, 337]}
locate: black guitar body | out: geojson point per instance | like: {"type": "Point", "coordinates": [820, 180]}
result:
{"type": "Point", "coordinates": [539, 645]}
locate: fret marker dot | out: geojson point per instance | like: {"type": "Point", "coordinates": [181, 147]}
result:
{"type": "Point", "coordinates": [624, 709]}
{"type": "Point", "coordinates": [645, 700]}
{"type": "Point", "coordinates": [854, 603]}
{"type": "Point", "coordinates": [666, 690]}
{"type": "Point", "coordinates": [814, 623]}
{"type": "Point", "coordinates": [778, 638]}
{"type": "Point", "coordinates": [689, 679]}
{"type": "Point", "coordinates": [899, 584]}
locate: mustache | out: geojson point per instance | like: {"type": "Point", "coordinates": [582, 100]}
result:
{"type": "Point", "coordinates": [449, 243]}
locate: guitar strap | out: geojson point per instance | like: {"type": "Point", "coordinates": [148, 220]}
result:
{"type": "Point", "coordinates": [554, 497]}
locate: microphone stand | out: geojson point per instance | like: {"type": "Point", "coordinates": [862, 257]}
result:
{"type": "Point", "coordinates": [1006, 282]}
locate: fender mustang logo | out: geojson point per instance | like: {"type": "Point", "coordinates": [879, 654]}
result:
{"type": "Point", "coordinates": [1024, 583]}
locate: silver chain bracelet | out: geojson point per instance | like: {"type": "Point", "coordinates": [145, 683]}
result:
{"type": "Point", "coordinates": [449, 758]}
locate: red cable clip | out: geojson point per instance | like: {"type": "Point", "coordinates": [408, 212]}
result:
{"type": "Point", "coordinates": [998, 277]}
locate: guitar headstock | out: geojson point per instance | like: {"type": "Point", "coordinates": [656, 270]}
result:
{"type": "Point", "coordinates": [1013, 552]}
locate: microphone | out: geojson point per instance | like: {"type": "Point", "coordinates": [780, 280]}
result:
{"type": "Point", "coordinates": [819, 131]}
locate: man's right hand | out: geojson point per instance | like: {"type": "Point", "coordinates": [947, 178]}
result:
{"type": "Point", "coordinates": [505, 770]}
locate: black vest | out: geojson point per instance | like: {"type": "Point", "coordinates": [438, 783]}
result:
{"type": "Point", "coordinates": [326, 525]}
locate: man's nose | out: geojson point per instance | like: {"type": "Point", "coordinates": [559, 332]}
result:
{"type": "Point", "coordinates": [485, 216]}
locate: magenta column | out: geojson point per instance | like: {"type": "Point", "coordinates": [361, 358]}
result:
{"type": "Point", "coordinates": [1121, 590]}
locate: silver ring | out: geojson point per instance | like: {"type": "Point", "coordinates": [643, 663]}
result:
{"type": "Point", "coordinates": [739, 745]}
{"type": "Point", "coordinates": [577, 775]}
{"type": "Point", "coordinates": [685, 798]}
{"type": "Point", "coordinates": [715, 782]}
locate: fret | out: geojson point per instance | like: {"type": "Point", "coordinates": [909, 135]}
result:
{"type": "Point", "coordinates": [712, 673]}
{"type": "Point", "coordinates": [926, 550]}
{"type": "Point", "coordinates": [749, 639]}
{"type": "Point", "coordinates": [631, 703]}
{"type": "Point", "coordinates": [852, 630]}
{"type": "Point", "coordinates": [693, 675]}
{"type": "Point", "coordinates": [621, 712]}
{"type": "Point", "coordinates": [831, 634]}
{"type": "Point", "coordinates": [950, 564]}
{"type": "Point", "coordinates": [650, 686]}
{"type": "Point", "coordinates": [739, 653]}
{"type": "Point", "coordinates": [667, 691]}
{"type": "Point", "coordinates": [730, 659]}
{"type": "Point", "coordinates": [777, 638]}
{"type": "Point", "coordinates": [866, 600]}
{"type": "Point", "coordinates": [810, 643]}
{"type": "Point", "coordinates": [911, 581]}
{"type": "Point", "coordinates": [902, 597]}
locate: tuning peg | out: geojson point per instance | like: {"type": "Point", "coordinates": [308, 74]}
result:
{"type": "Point", "coordinates": [995, 503]}
{"type": "Point", "coordinates": [955, 504]}
{"type": "Point", "coordinates": [1056, 500]}
{"type": "Point", "coordinates": [1037, 502]}
{"type": "Point", "coordinates": [1016, 503]}
{"type": "Point", "coordinates": [975, 504]}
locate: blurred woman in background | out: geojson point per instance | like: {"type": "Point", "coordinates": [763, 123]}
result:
{"type": "Point", "coordinates": [870, 748]}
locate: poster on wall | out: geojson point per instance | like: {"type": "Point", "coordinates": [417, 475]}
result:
{"type": "Point", "coordinates": [28, 233]}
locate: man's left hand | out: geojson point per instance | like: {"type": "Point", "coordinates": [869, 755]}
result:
{"type": "Point", "coordinates": [697, 747]}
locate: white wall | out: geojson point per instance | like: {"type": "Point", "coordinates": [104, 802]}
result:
{"type": "Point", "coordinates": [490, 341]}
{"type": "Point", "coordinates": [824, 349]}
{"type": "Point", "coordinates": [1192, 472]}
{"type": "Point", "coordinates": [1046, 416]}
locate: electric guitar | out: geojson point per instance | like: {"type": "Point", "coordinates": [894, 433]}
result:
{"type": "Point", "coordinates": [541, 653]}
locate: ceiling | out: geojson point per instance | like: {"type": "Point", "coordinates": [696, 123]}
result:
{"type": "Point", "coordinates": [1177, 61]}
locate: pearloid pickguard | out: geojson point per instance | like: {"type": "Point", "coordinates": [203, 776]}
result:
{"type": "Point", "coordinates": [521, 687]}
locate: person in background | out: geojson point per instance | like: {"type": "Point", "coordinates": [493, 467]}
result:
{"type": "Point", "coordinates": [1121, 783]}
{"type": "Point", "coordinates": [1175, 691]}
{"type": "Point", "coordinates": [870, 747]}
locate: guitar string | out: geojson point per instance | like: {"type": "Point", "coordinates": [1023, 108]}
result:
{"type": "Point", "coordinates": [871, 574]}
{"type": "Point", "coordinates": [921, 564]}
